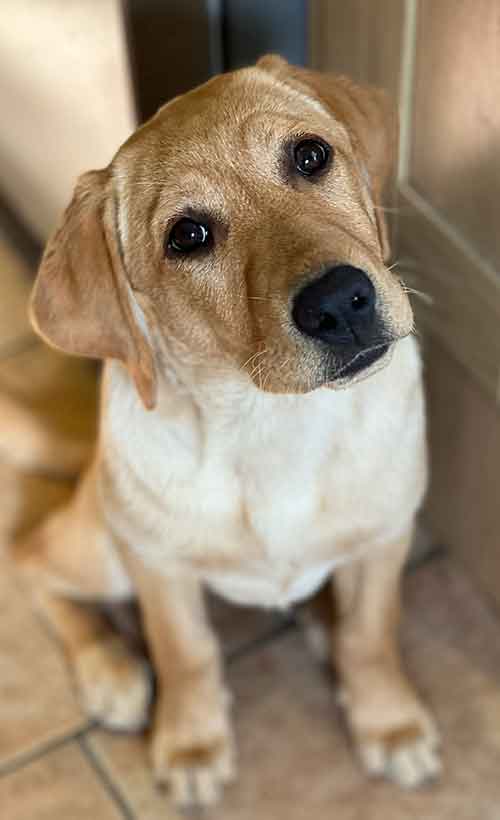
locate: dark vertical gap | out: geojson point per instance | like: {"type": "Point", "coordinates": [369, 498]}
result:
{"type": "Point", "coordinates": [176, 45]}
{"type": "Point", "coordinates": [224, 30]}
{"type": "Point", "coordinates": [131, 55]}
{"type": "Point", "coordinates": [256, 27]}
{"type": "Point", "coordinates": [215, 13]}
{"type": "Point", "coordinates": [172, 48]}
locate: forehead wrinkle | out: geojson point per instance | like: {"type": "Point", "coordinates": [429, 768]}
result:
{"type": "Point", "coordinates": [216, 121]}
{"type": "Point", "coordinates": [238, 124]}
{"type": "Point", "coordinates": [207, 181]}
{"type": "Point", "coordinates": [195, 194]}
{"type": "Point", "coordinates": [294, 93]}
{"type": "Point", "coordinates": [199, 189]}
{"type": "Point", "coordinates": [120, 203]}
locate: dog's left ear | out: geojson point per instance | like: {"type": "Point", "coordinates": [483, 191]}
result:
{"type": "Point", "coordinates": [369, 116]}
{"type": "Point", "coordinates": [82, 302]}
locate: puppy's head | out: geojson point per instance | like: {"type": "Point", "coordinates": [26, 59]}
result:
{"type": "Point", "coordinates": [241, 228]}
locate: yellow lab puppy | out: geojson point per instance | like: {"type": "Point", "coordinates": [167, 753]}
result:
{"type": "Point", "coordinates": [27, 443]}
{"type": "Point", "coordinates": [262, 423]}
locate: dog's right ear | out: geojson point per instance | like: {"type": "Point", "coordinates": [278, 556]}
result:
{"type": "Point", "coordinates": [82, 302]}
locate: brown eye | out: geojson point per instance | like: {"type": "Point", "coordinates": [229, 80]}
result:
{"type": "Point", "coordinates": [187, 236]}
{"type": "Point", "coordinates": [311, 156]}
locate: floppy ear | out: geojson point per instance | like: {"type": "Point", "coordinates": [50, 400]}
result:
{"type": "Point", "coordinates": [82, 302]}
{"type": "Point", "coordinates": [369, 116]}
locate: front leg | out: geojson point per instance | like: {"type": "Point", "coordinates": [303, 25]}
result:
{"type": "Point", "coordinates": [192, 745]}
{"type": "Point", "coordinates": [394, 734]}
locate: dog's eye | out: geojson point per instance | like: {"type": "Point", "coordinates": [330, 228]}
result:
{"type": "Point", "coordinates": [310, 156]}
{"type": "Point", "coordinates": [187, 236]}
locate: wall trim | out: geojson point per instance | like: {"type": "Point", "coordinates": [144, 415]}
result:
{"type": "Point", "coordinates": [463, 288]}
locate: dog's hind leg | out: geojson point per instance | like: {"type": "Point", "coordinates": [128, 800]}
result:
{"type": "Point", "coordinates": [27, 442]}
{"type": "Point", "coordinates": [69, 565]}
{"type": "Point", "coordinates": [114, 685]}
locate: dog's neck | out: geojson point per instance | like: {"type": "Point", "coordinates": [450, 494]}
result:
{"type": "Point", "coordinates": [206, 400]}
{"type": "Point", "coordinates": [208, 393]}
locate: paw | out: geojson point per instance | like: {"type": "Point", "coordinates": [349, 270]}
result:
{"type": "Point", "coordinates": [408, 755]}
{"type": "Point", "coordinates": [115, 687]}
{"type": "Point", "coordinates": [193, 765]}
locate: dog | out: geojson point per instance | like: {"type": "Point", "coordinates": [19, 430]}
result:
{"type": "Point", "coordinates": [31, 451]}
{"type": "Point", "coordinates": [262, 424]}
{"type": "Point", "coordinates": [28, 444]}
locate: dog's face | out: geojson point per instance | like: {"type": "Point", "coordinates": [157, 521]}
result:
{"type": "Point", "coordinates": [240, 228]}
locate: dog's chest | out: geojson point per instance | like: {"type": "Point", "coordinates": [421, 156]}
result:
{"type": "Point", "coordinates": [263, 503]}
{"type": "Point", "coordinates": [269, 521]}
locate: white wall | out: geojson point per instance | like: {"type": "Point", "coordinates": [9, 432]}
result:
{"type": "Point", "coordinates": [65, 99]}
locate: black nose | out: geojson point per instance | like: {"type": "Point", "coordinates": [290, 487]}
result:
{"type": "Point", "coordinates": [338, 308]}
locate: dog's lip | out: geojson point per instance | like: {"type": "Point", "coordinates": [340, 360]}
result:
{"type": "Point", "coordinates": [363, 360]}
{"type": "Point", "coordinates": [361, 366]}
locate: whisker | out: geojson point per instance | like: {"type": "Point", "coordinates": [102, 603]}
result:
{"type": "Point", "coordinates": [387, 210]}
{"type": "Point", "coordinates": [252, 357]}
{"type": "Point", "coordinates": [259, 373]}
{"type": "Point", "coordinates": [426, 297]}
{"type": "Point", "coordinates": [266, 378]}
{"type": "Point", "coordinates": [257, 368]}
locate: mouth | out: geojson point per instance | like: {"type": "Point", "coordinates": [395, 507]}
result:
{"type": "Point", "coordinates": [360, 361]}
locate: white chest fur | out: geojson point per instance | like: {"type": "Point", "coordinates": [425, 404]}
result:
{"type": "Point", "coordinates": [264, 495]}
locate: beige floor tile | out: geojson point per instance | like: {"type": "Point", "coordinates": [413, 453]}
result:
{"type": "Point", "coordinates": [280, 699]}
{"type": "Point", "coordinates": [294, 758]}
{"type": "Point", "coordinates": [125, 760]}
{"type": "Point", "coordinates": [61, 785]}
{"type": "Point", "coordinates": [37, 704]}
{"type": "Point", "coordinates": [15, 284]}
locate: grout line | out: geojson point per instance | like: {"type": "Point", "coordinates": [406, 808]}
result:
{"type": "Point", "coordinates": [25, 758]}
{"type": "Point", "coordinates": [435, 553]}
{"type": "Point", "coordinates": [105, 779]}
{"type": "Point", "coordinates": [254, 644]}
{"type": "Point", "coordinates": [290, 623]}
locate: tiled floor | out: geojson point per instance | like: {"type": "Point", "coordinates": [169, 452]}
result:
{"type": "Point", "coordinates": [295, 761]}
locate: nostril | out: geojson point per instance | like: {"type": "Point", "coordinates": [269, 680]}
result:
{"type": "Point", "coordinates": [327, 321]}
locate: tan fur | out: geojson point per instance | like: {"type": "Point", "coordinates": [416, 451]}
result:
{"type": "Point", "coordinates": [394, 733]}
{"type": "Point", "coordinates": [26, 442]}
{"type": "Point", "coordinates": [240, 462]}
